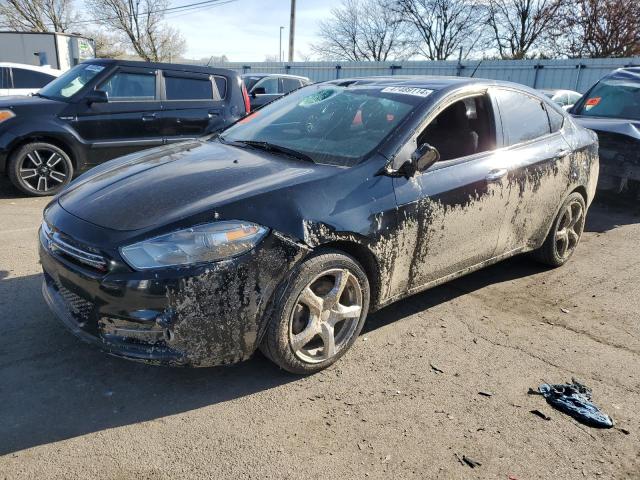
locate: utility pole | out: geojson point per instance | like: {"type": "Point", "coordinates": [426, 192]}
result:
{"type": "Point", "coordinates": [292, 29]}
{"type": "Point", "coordinates": [280, 49]}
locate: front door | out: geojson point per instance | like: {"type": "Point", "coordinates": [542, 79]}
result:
{"type": "Point", "coordinates": [265, 91]}
{"type": "Point", "coordinates": [128, 122]}
{"type": "Point", "coordinates": [451, 215]}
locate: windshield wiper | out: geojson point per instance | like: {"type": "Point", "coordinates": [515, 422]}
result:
{"type": "Point", "coordinates": [272, 147]}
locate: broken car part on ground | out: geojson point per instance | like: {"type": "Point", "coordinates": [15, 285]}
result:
{"type": "Point", "coordinates": [574, 399]}
{"type": "Point", "coordinates": [284, 231]}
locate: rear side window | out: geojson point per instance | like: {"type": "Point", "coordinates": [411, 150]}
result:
{"type": "Point", "coordinates": [290, 84]}
{"type": "Point", "coordinates": [182, 88]}
{"type": "Point", "coordinates": [555, 119]}
{"type": "Point", "coordinates": [30, 79]}
{"type": "Point", "coordinates": [523, 117]}
{"type": "Point", "coordinates": [130, 86]}
{"type": "Point", "coordinates": [221, 84]}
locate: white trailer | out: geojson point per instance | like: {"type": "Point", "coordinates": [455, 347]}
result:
{"type": "Point", "coordinates": [59, 50]}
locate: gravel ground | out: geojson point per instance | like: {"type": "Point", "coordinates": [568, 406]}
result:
{"type": "Point", "coordinates": [404, 403]}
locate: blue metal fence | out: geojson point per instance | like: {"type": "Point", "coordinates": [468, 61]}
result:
{"type": "Point", "coordinates": [572, 74]}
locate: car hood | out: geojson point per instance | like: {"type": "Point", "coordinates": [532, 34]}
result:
{"type": "Point", "coordinates": [167, 184]}
{"type": "Point", "coordinates": [27, 103]}
{"type": "Point", "coordinates": [630, 128]}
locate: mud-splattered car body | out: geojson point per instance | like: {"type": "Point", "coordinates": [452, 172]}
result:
{"type": "Point", "coordinates": [618, 130]}
{"type": "Point", "coordinates": [409, 232]}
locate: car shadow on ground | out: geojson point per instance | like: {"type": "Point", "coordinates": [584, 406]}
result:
{"type": "Point", "coordinates": [54, 387]}
{"type": "Point", "coordinates": [611, 212]}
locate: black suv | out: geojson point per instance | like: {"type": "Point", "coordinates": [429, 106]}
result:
{"type": "Point", "coordinates": [102, 109]}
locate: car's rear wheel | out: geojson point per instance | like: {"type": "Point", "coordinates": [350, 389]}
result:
{"type": "Point", "coordinates": [565, 232]}
{"type": "Point", "coordinates": [321, 311]}
{"type": "Point", "coordinates": [40, 169]}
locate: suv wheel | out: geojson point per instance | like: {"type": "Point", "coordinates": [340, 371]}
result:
{"type": "Point", "coordinates": [40, 169]}
{"type": "Point", "coordinates": [319, 315]}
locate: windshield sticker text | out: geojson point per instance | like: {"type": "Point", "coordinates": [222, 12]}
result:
{"type": "Point", "coordinates": [418, 92]}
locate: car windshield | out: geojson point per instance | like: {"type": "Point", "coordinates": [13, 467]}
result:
{"type": "Point", "coordinates": [71, 82]}
{"type": "Point", "coordinates": [613, 98]}
{"type": "Point", "coordinates": [329, 124]}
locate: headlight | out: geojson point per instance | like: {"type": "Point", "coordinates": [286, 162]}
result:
{"type": "Point", "coordinates": [6, 115]}
{"type": "Point", "coordinates": [204, 243]}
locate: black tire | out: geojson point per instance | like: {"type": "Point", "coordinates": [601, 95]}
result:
{"type": "Point", "coordinates": [40, 169]}
{"type": "Point", "coordinates": [552, 252]}
{"type": "Point", "coordinates": [321, 268]}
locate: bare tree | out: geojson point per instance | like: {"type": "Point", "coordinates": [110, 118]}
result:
{"type": "Point", "coordinates": [107, 45]}
{"type": "Point", "coordinates": [362, 30]}
{"type": "Point", "coordinates": [600, 28]}
{"type": "Point", "coordinates": [37, 15]}
{"type": "Point", "coordinates": [140, 24]}
{"type": "Point", "coordinates": [519, 27]}
{"type": "Point", "coordinates": [442, 26]}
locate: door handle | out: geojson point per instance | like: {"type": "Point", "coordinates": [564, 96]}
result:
{"type": "Point", "coordinates": [496, 174]}
{"type": "Point", "coordinates": [562, 153]}
{"type": "Point", "coordinates": [149, 117]}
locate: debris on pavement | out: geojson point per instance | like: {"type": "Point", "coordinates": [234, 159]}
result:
{"type": "Point", "coordinates": [435, 368]}
{"type": "Point", "coordinates": [485, 393]}
{"type": "Point", "coordinates": [471, 462]}
{"type": "Point", "coordinates": [574, 399]}
{"type": "Point", "coordinates": [540, 414]}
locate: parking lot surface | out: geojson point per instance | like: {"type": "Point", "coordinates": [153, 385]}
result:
{"type": "Point", "coordinates": [403, 403]}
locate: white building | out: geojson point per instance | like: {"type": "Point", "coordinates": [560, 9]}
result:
{"type": "Point", "coordinates": [59, 50]}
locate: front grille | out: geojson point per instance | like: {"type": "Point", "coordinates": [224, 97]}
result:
{"type": "Point", "coordinates": [80, 308]}
{"type": "Point", "coordinates": [58, 243]}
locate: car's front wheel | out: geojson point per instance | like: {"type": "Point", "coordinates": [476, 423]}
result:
{"type": "Point", "coordinates": [565, 233]}
{"type": "Point", "coordinates": [319, 314]}
{"type": "Point", "coordinates": [40, 169]}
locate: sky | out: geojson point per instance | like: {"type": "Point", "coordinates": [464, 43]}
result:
{"type": "Point", "coordinates": [248, 30]}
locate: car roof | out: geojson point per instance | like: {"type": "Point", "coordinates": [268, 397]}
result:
{"type": "Point", "coordinates": [283, 75]}
{"type": "Point", "coordinates": [36, 68]}
{"type": "Point", "coordinates": [164, 66]}
{"type": "Point", "coordinates": [431, 82]}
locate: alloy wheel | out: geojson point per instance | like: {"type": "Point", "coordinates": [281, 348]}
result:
{"type": "Point", "coordinates": [43, 170]}
{"type": "Point", "coordinates": [325, 316]}
{"type": "Point", "coordinates": [569, 229]}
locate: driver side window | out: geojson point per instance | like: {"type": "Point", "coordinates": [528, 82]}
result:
{"type": "Point", "coordinates": [270, 85]}
{"type": "Point", "coordinates": [464, 128]}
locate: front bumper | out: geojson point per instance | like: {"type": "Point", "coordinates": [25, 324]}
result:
{"type": "Point", "coordinates": [197, 316]}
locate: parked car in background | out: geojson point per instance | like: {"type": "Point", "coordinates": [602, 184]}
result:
{"type": "Point", "coordinates": [20, 79]}
{"type": "Point", "coordinates": [264, 87]}
{"type": "Point", "coordinates": [612, 109]}
{"type": "Point", "coordinates": [565, 98]}
{"type": "Point", "coordinates": [104, 109]}
{"type": "Point", "coordinates": [287, 228]}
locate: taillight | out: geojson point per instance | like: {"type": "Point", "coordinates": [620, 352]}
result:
{"type": "Point", "coordinates": [245, 96]}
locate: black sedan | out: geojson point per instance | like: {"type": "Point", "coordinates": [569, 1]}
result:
{"type": "Point", "coordinates": [284, 231]}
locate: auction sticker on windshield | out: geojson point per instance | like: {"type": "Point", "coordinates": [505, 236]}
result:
{"type": "Point", "coordinates": [418, 92]}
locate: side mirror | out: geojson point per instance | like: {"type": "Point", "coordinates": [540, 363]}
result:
{"type": "Point", "coordinates": [421, 159]}
{"type": "Point", "coordinates": [97, 96]}
{"type": "Point", "coordinates": [258, 91]}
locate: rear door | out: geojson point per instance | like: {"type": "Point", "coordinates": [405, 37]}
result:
{"type": "Point", "coordinates": [128, 122]}
{"type": "Point", "coordinates": [539, 159]}
{"type": "Point", "coordinates": [193, 104]}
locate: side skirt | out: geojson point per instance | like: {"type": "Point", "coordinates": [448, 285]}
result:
{"type": "Point", "coordinates": [453, 276]}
